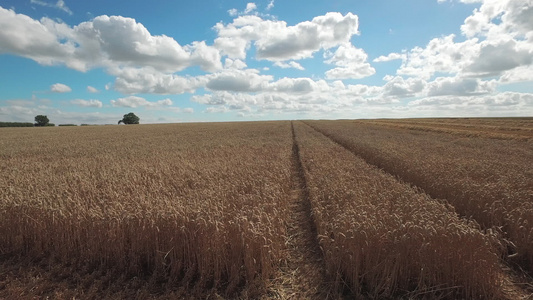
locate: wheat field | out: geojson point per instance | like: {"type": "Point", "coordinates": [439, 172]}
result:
{"type": "Point", "coordinates": [390, 209]}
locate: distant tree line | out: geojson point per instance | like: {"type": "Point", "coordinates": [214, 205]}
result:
{"type": "Point", "coordinates": [16, 124]}
{"type": "Point", "coordinates": [42, 121]}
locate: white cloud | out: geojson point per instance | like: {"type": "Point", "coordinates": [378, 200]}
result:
{"type": "Point", "coordinates": [441, 55]}
{"type": "Point", "coordinates": [250, 7]}
{"type": "Point", "coordinates": [87, 103]}
{"type": "Point", "coordinates": [123, 41]}
{"type": "Point", "coordinates": [104, 41]}
{"type": "Point", "coordinates": [493, 59]}
{"type": "Point", "coordinates": [234, 64]}
{"type": "Point", "coordinates": [134, 101]}
{"type": "Point", "coordinates": [91, 89]}
{"type": "Point", "coordinates": [294, 95]}
{"type": "Point", "coordinates": [298, 86]}
{"type": "Point", "coordinates": [275, 41]}
{"type": "Point", "coordinates": [399, 87]}
{"type": "Point", "coordinates": [351, 61]}
{"type": "Point", "coordinates": [519, 74]}
{"type": "Point", "coordinates": [499, 39]}
{"type": "Point", "coordinates": [391, 56]}
{"type": "Point", "coordinates": [291, 64]}
{"type": "Point", "coordinates": [149, 80]}
{"type": "Point", "coordinates": [459, 86]}
{"type": "Point", "coordinates": [60, 88]}
{"type": "Point", "coordinates": [234, 47]}
{"type": "Point", "coordinates": [270, 5]}
{"type": "Point", "coordinates": [497, 17]}
{"type": "Point", "coordinates": [38, 40]}
{"type": "Point", "coordinates": [509, 103]}
{"type": "Point", "coordinates": [60, 4]}
{"type": "Point", "coordinates": [207, 57]}
{"type": "Point", "coordinates": [237, 80]}
{"type": "Point", "coordinates": [351, 72]}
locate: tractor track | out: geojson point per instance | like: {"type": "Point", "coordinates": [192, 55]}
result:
{"type": "Point", "coordinates": [518, 283]}
{"type": "Point", "coordinates": [303, 272]}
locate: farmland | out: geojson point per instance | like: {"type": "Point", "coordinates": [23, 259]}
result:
{"type": "Point", "coordinates": [418, 208]}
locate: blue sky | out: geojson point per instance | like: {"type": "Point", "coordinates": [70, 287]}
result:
{"type": "Point", "coordinates": [185, 61]}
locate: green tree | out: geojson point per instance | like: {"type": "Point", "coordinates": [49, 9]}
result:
{"type": "Point", "coordinates": [41, 120]}
{"type": "Point", "coordinates": [130, 118]}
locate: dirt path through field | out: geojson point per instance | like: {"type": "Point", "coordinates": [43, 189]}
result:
{"type": "Point", "coordinates": [303, 273]}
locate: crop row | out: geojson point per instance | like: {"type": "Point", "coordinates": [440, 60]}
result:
{"type": "Point", "coordinates": [489, 180]}
{"type": "Point", "coordinates": [508, 128]}
{"type": "Point", "coordinates": [200, 205]}
{"type": "Point", "coordinates": [384, 238]}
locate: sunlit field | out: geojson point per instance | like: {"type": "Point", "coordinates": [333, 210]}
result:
{"type": "Point", "coordinates": [412, 208]}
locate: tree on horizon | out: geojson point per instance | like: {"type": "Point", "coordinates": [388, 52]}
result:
{"type": "Point", "coordinates": [129, 118]}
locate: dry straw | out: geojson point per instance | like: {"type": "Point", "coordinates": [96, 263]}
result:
{"type": "Point", "coordinates": [199, 205]}
{"type": "Point", "coordinates": [382, 238]}
{"type": "Point", "coordinates": [489, 180]}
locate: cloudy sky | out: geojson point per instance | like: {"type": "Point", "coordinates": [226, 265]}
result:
{"type": "Point", "coordinates": [225, 60]}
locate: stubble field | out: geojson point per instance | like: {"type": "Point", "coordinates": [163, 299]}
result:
{"type": "Point", "coordinates": [417, 208]}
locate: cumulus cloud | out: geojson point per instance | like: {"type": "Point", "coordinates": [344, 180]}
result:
{"type": "Point", "coordinates": [397, 86]}
{"type": "Point", "coordinates": [511, 103]}
{"type": "Point", "coordinates": [519, 74]}
{"type": "Point", "coordinates": [351, 61]}
{"type": "Point", "coordinates": [105, 41]}
{"type": "Point", "coordinates": [389, 57]}
{"type": "Point", "coordinates": [60, 88]}
{"type": "Point", "coordinates": [499, 39]}
{"type": "Point", "coordinates": [91, 89]}
{"type": "Point", "coordinates": [291, 64]}
{"type": "Point", "coordinates": [497, 17]}
{"type": "Point", "coordinates": [207, 57]}
{"type": "Point", "coordinates": [441, 55]}
{"type": "Point", "coordinates": [493, 59]}
{"type": "Point", "coordinates": [294, 95]}
{"type": "Point", "coordinates": [237, 80]}
{"type": "Point", "coordinates": [234, 64]}
{"type": "Point", "coordinates": [250, 7]}
{"type": "Point", "coordinates": [459, 86]}
{"type": "Point", "coordinates": [276, 41]}
{"type": "Point", "coordinates": [126, 42]}
{"type": "Point", "coordinates": [270, 5]}
{"type": "Point", "coordinates": [149, 80]}
{"type": "Point", "coordinates": [134, 101]}
{"type": "Point", "coordinates": [87, 103]}
{"type": "Point", "coordinates": [37, 40]}
{"type": "Point", "coordinates": [298, 86]}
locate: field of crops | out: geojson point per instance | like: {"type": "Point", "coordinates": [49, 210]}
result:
{"type": "Point", "coordinates": [434, 208]}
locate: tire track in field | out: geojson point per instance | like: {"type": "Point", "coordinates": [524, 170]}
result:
{"type": "Point", "coordinates": [517, 283]}
{"type": "Point", "coordinates": [303, 272]}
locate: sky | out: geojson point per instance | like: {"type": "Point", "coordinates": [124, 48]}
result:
{"type": "Point", "coordinates": [167, 61]}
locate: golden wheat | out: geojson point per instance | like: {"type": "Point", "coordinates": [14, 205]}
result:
{"type": "Point", "coordinates": [384, 238]}
{"type": "Point", "coordinates": [199, 204]}
{"type": "Point", "coordinates": [487, 179]}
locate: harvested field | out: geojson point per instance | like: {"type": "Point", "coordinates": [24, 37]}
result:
{"type": "Point", "coordinates": [269, 210]}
